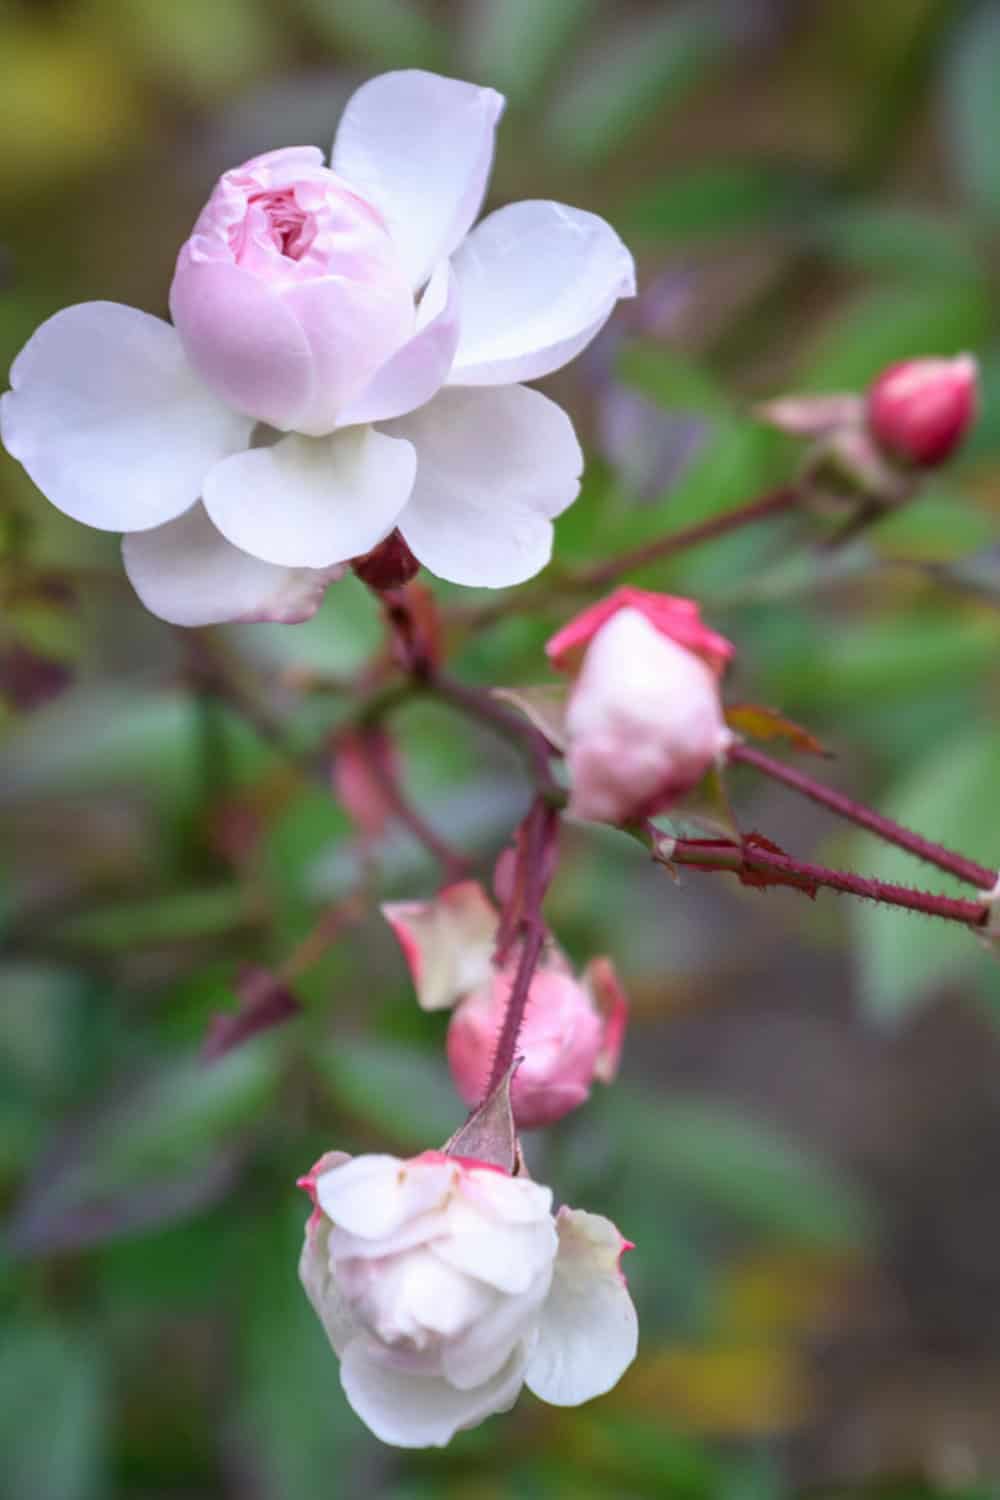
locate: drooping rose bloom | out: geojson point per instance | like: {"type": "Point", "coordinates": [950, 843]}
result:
{"type": "Point", "coordinates": [573, 1029]}
{"type": "Point", "coordinates": [344, 360]}
{"type": "Point", "coordinates": [445, 1284]}
{"type": "Point", "coordinates": [644, 720]}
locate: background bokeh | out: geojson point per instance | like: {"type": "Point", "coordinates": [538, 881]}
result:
{"type": "Point", "coordinates": [805, 1144]}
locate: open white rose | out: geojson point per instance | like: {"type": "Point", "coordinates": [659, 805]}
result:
{"type": "Point", "coordinates": [344, 360]}
{"type": "Point", "coordinates": [445, 1284]}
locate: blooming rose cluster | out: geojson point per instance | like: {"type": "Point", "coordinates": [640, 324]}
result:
{"type": "Point", "coordinates": [573, 1029]}
{"type": "Point", "coordinates": [346, 358]}
{"type": "Point", "coordinates": [345, 364]}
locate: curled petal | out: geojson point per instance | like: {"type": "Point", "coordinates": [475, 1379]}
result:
{"type": "Point", "coordinates": [509, 1257]}
{"type": "Point", "coordinates": [186, 573]}
{"type": "Point", "coordinates": [312, 502]}
{"type": "Point", "coordinates": [422, 1411]}
{"type": "Point", "coordinates": [372, 1196]}
{"type": "Point", "coordinates": [317, 1279]}
{"type": "Point", "coordinates": [447, 943]}
{"type": "Point", "coordinates": [419, 147]}
{"type": "Point", "coordinates": [110, 420]}
{"type": "Point", "coordinates": [537, 282]}
{"type": "Point", "coordinates": [679, 619]}
{"type": "Point", "coordinates": [493, 469]}
{"type": "Point", "coordinates": [242, 340]}
{"type": "Point", "coordinates": [589, 1331]}
{"type": "Point", "coordinates": [414, 374]}
{"type": "Point", "coordinates": [612, 1005]}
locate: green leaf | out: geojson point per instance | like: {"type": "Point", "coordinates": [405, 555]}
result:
{"type": "Point", "coordinates": [724, 198]}
{"type": "Point", "coordinates": [53, 1415]}
{"type": "Point", "coordinates": [514, 45]}
{"type": "Point", "coordinates": [899, 239]}
{"type": "Point", "coordinates": [738, 1167]}
{"type": "Point", "coordinates": [395, 32]}
{"type": "Point", "coordinates": [295, 1417]}
{"type": "Point", "coordinates": [948, 796]}
{"type": "Point", "coordinates": [158, 1151]}
{"type": "Point", "coordinates": [673, 380]}
{"type": "Point", "coordinates": [404, 1092]}
{"type": "Point", "coordinates": [973, 108]}
{"type": "Point", "coordinates": [897, 323]}
{"type": "Point", "coordinates": [939, 525]}
{"type": "Point", "coordinates": [648, 66]}
{"type": "Point", "coordinates": [207, 48]}
{"type": "Point", "coordinates": [172, 917]}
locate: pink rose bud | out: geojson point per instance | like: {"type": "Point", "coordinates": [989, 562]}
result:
{"type": "Point", "coordinates": [566, 1041]}
{"type": "Point", "coordinates": [920, 410]}
{"type": "Point", "coordinates": [444, 1284]}
{"type": "Point", "coordinates": [679, 619]}
{"type": "Point", "coordinates": [644, 720]}
{"type": "Point", "coordinates": [290, 294]}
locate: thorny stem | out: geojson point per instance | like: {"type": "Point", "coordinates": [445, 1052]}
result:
{"type": "Point", "coordinates": [744, 859]}
{"type": "Point", "coordinates": [866, 817]}
{"type": "Point", "coordinates": [539, 829]}
{"type": "Point", "coordinates": [761, 509]}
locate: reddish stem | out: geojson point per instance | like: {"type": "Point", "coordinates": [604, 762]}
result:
{"type": "Point", "coordinates": [599, 574]}
{"type": "Point", "coordinates": [866, 817]}
{"type": "Point", "coordinates": [507, 722]}
{"type": "Point", "coordinates": [740, 859]}
{"type": "Point", "coordinates": [539, 829]}
{"type": "Point", "coordinates": [454, 864]}
{"type": "Point", "coordinates": [771, 504]}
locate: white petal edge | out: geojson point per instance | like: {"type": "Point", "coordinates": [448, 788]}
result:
{"type": "Point", "coordinates": [417, 371]}
{"type": "Point", "coordinates": [185, 572]}
{"type": "Point", "coordinates": [537, 281]}
{"type": "Point", "coordinates": [588, 1332]}
{"type": "Point", "coordinates": [487, 1344]}
{"type": "Point", "coordinates": [509, 1258]}
{"type": "Point", "coordinates": [312, 502]}
{"type": "Point", "coordinates": [373, 1196]}
{"type": "Point", "coordinates": [422, 1411]}
{"type": "Point", "coordinates": [328, 1302]}
{"type": "Point", "coordinates": [419, 147]}
{"type": "Point", "coordinates": [493, 468]}
{"type": "Point", "coordinates": [111, 422]}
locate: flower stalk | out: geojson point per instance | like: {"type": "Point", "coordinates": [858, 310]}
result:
{"type": "Point", "coordinates": [756, 864]}
{"type": "Point", "coordinates": [866, 817]}
{"type": "Point", "coordinates": [540, 828]}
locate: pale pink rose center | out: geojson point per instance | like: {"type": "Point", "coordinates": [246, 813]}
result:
{"type": "Point", "coordinates": [276, 217]}
{"type": "Point", "coordinates": [294, 231]}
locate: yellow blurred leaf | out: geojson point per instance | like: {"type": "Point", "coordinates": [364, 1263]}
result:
{"type": "Point", "coordinates": [68, 101]}
{"type": "Point", "coordinates": [767, 724]}
{"type": "Point", "coordinates": [778, 1293]}
{"type": "Point", "coordinates": [719, 1390]}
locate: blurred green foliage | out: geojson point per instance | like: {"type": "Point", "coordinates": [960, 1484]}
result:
{"type": "Point", "coordinates": [813, 190]}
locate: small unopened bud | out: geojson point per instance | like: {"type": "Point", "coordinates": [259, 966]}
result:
{"type": "Point", "coordinates": [920, 410]}
{"type": "Point", "coordinates": [390, 565]}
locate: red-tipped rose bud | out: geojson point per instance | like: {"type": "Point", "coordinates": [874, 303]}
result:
{"type": "Point", "coordinates": [920, 410]}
